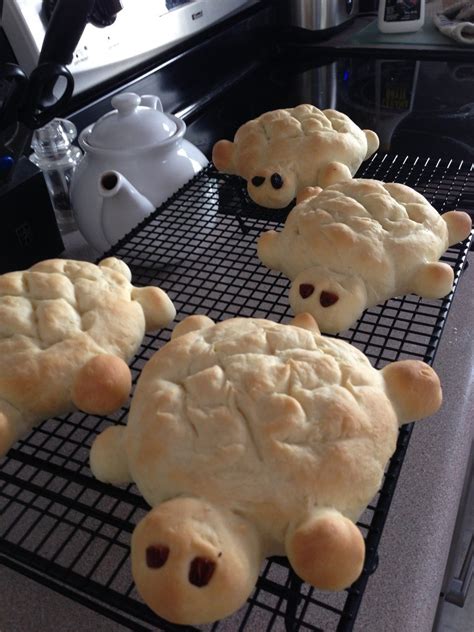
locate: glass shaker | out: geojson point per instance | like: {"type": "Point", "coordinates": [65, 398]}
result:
{"type": "Point", "coordinates": [57, 158]}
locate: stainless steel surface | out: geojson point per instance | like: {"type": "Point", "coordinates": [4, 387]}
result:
{"type": "Point", "coordinates": [319, 15]}
{"type": "Point", "coordinates": [144, 29]}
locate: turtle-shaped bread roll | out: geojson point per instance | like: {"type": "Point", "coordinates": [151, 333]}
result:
{"type": "Point", "coordinates": [283, 151]}
{"type": "Point", "coordinates": [249, 439]}
{"type": "Point", "coordinates": [67, 330]}
{"type": "Point", "coordinates": [359, 243]}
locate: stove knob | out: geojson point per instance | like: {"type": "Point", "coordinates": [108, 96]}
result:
{"type": "Point", "coordinates": [105, 12]}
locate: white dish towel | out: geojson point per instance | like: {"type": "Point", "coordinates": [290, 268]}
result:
{"type": "Point", "coordinates": [457, 21]}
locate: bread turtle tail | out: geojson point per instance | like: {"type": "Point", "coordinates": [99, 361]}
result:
{"type": "Point", "coordinates": [12, 426]}
{"type": "Point", "coordinates": [459, 226]}
{"type": "Point", "coordinates": [373, 143]}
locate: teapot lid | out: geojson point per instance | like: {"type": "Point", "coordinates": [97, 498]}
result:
{"type": "Point", "coordinates": [135, 122]}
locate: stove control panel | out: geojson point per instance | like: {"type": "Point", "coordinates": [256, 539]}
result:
{"type": "Point", "coordinates": [138, 32]}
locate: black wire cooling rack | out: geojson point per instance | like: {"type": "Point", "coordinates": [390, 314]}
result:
{"type": "Point", "coordinates": [71, 533]}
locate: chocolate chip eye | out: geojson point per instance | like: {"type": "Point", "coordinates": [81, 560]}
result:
{"type": "Point", "coordinates": [201, 571]}
{"type": "Point", "coordinates": [257, 181]}
{"type": "Point", "coordinates": [156, 556]}
{"type": "Point", "coordinates": [306, 289]}
{"type": "Point", "coordinates": [328, 298]}
{"type": "Point", "coordinates": [276, 180]}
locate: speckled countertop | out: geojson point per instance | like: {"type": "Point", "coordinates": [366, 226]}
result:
{"type": "Point", "coordinates": [403, 594]}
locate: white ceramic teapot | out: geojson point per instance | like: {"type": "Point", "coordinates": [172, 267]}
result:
{"type": "Point", "coordinates": [135, 157]}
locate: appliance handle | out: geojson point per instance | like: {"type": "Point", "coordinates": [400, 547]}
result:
{"type": "Point", "coordinates": [64, 30]}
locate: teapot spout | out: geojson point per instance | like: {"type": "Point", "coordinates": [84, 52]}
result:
{"type": "Point", "coordinates": [123, 206]}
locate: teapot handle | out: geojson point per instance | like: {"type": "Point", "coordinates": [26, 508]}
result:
{"type": "Point", "coordinates": [151, 101]}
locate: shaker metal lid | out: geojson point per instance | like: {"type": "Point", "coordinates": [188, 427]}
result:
{"type": "Point", "coordinates": [135, 122]}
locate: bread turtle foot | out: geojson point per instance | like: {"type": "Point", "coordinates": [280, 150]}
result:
{"type": "Point", "coordinates": [191, 323]}
{"type": "Point", "coordinates": [433, 280]}
{"type": "Point", "coordinates": [108, 457]}
{"type": "Point", "coordinates": [334, 172]}
{"type": "Point", "coordinates": [459, 226]}
{"type": "Point", "coordinates": [102, 385]}
{"type": "Point", "coordinates": [268, 250]}
{"type": "Point", "coordinates": [326, 550]}
{"type": "Point", "coordinates": [413, 388]}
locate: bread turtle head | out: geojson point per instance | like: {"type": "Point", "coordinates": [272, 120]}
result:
{"type": "Point", "coordinates": [335, 300]}
{"type": "Point", "coordinates": [192, 563]}
{"type": "Point", "coordinates": [272, 186]}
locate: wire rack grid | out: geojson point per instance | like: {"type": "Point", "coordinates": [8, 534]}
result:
{"type": "Point", "coordinates": [70, 532]}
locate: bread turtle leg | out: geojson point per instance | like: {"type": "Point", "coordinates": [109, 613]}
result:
{"type": "Point", "coordinates": [304, 320]}
{"type": "Point", "coordinates": [102, 385]}
{"type": "Point", "coordinates": [223, 156]}
{"type": "Point", "coordinates": [157, 306]}
{"type": "Point", "coordinates": [268, 250]}
{"type": "Point", "coordinates": [413, 388]}
{"type": "Point", "coordinates": [332, 173]}
{"type": "Point", "coordinates": [108, 457]}
{"type": "Point", "coordinates": [433, 280]}
{"type": "Point", "coordinates": [118, 265]}
{"type": "Point", "coordinates": [192, 563]}
{"type": "Point", "coordinates": [459, 226]}
{"type": "Point", "coordinates": [192, 323]}
{"type": "Point", "coordinates": [373, 142]}
{"type": "Point", "coordinates": [12, 426]}
{"type": "Point", "coordinates": [326, 549]}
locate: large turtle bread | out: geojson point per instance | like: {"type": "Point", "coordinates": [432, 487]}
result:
{"type": "Point", "coordinates": [248, 439]}
{"type": "Point", "coordinates": [283, 151]}
{"type": "Point", "coordinates": [359, 243]}
{"type": "Point", "coordinates": [67, 330]}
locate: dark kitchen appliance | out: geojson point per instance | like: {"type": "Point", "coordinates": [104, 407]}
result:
{"type": "Point", "coordinates": [28, 228]}
{"type": "Point", "coordinates": [317, 18]}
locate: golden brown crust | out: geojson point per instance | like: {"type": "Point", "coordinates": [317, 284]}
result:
{"type": "Point", "coordinates": [300, 147]}
{"type": "Point", "coordinates": [327, 551]}
{"type": "Point", "coordinates": [414, 389]}
{"type": "Point", "coordinates": [211, 561]}
{"type": "Point", "coordinates": [54, 319]}
{"type": "Point", "coordinates": [250, 438]}
{"type": "Point", "coordinates": [222, 155]}
{"type": "Point", "coordinates": [102, 385]}
{"type": "Point", "coordinates": [278, 391]}
{"type": "Point", "coordinates": [360, 243]}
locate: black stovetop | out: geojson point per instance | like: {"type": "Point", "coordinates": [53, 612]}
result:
{"type": "Point", "coordinates": [416, 101]}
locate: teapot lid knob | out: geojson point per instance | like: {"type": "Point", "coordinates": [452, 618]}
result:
{"type": "Point", "coordinates": [125, 103]}
{"type": "Point", "coordinates": [152, 101]}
